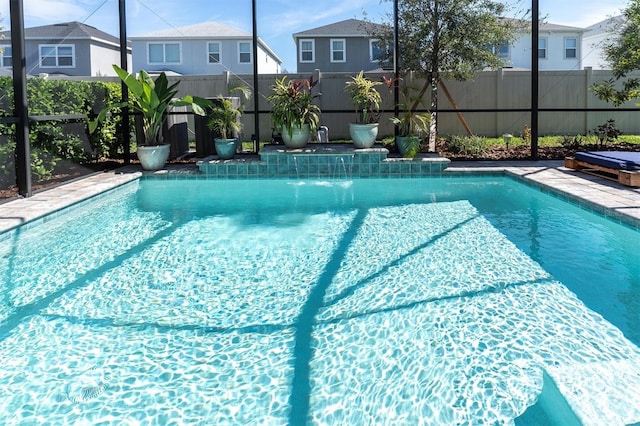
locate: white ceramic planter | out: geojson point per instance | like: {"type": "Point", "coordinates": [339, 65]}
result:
{"type": "Point", "coordinates": [153, 157]}
{"type": "Point", "coordinates": [363, 135]}
{"type": "Point", "coordinates": [298, 138]}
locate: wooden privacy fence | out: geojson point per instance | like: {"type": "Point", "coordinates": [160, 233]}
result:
{"type": "Point", "coordinates": [493, 103]}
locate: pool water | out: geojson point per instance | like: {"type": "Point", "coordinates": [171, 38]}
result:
{"type": "Point", "coordinates": [423, 301]}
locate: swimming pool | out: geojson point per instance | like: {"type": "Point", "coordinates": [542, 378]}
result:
{"type": "Point", "coordinates": [433, 301]}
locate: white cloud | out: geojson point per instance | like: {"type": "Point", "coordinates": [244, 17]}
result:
{"type": "Point", "coordinates": [42, 12]}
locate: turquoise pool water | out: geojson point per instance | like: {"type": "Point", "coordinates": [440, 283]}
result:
{"type": "Point", "coordinates": [423, 301]}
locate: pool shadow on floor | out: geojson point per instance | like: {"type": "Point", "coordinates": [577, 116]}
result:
{"type": "Point", "coordinates": [300, 396]}
{"type": "Point", "coordinates": [35, 307]}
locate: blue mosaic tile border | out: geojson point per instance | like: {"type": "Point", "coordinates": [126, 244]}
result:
{"type": "Point", "coordinates": [324, 161]}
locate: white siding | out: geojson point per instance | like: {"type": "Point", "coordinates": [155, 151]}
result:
{"type": "Point", "coordinates": [592, 51]}
{"type": "Point", "coordinates": [195, 58]}
{"type": "Point", "coordinates": [521, 52]}
{"type": "Point", "coordinates": [102, 60]}
{"type": "Point", "coordinates": [266, 63]}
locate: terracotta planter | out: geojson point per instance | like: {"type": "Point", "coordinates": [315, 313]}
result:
{"type": "Point", "coordinates": [153, 157]}
{"type": "Point", "coordinates": [363, 135]}
{"type": "Point", "coordinates": [298, 138]}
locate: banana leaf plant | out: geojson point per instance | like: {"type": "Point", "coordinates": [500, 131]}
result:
{"type": "Point", "coordinates": [152, 99]}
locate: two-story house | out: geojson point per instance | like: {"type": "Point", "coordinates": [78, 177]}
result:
{"type": "Point", "coordinates": [69, 48]}
{"type": "Point", "coordinates": [345, 46]}
{"type": "Point", "coordinates": [559, 48]}
{"type": "Point", "coordinates": [596, 37]}
{"type": "Point", "coordinates": [204, 48]}
{"type": "Point", "coordinates": [350, 46]}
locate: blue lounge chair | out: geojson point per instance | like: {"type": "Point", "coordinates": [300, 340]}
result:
{"type": "Point", "coordinates": [621, 166]}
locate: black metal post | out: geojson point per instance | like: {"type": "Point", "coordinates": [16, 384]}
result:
{"type": "Point", "coordinates": [396, 66]}
{"type": "Point", "coordinates": [20, 104]}
{"type": "Point", "coordinates": [256, 98]}
{"type": "Point", "coordinates": [124, 64]}
{"type": "Point", "coordinates": [535, 34]}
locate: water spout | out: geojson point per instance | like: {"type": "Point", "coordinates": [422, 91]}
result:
{"type": "Point", "coordinates": [295, 166]}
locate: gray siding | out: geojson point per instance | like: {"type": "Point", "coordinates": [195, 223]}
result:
{"type": "Point", "coordinates": [82, 59]}
{"type": "Point", "coordinates": [357, 56]}
{"type": "Point", "coordinates": [93, 50]}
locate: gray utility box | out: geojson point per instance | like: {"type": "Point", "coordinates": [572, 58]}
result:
{"type": "Point", "coordinates": [175, 131]}
{"type": "Point", "coordinates": [205, 145]}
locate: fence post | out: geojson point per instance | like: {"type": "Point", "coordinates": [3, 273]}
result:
{"type": "Point", "coordinates": [588, 78]}
{"type": "Point", "coordinates": [23, 150]}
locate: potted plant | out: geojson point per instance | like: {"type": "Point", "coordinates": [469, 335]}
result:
{"type": "Point", "coordinates": [366, 100]}
{"type": "Point", "coordinates": [224, 121]}
{"type": "Point", "coordinates": [412, 125]}
{"type": "Point", "coordinates": [293, 111]}
{"type": "Point", "coordinates": [152, 99]}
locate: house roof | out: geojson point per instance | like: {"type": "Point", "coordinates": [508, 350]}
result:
{"type": "Point", "coordinates": [608, 26]}
{"type": "Point", "coordinates": [346, 28]}
{"type": "Point", "coordinates": [66, 31]}
{"type": "Point", "coordinates": [201, 30]}
{"type": "Point", "coordinates": [544, 26]}
{"type": "Point", "coordinates": [204, 30]}
{"type": "Point", "coordinates": [359, 28]}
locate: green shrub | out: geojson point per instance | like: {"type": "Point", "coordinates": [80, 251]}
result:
{"type": "Point", "coordinates": [572, 142]}
{"type": "Point", "coordinates": [607, 132]}
{"type": "Point", "coordinates": [56, 140]}
{"type": "Point", "coordinates": [468, 145]}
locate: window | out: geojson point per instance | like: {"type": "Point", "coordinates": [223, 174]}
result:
{"type": "Point", "coordinates": [214, 52]}
{"type": "Point", "coordinates": [307, 51]}
{"type": "Point", "coordinates": [338, 53]}
{"type": "Point", "coordinates": [6, 60]}
{"type": "Point", "coordinates": [61, 56]}
{"type": "Point", "coordinates": [244, 52]}
{"type": "Point", "coordinates": [381, 53]}
{"type": "Point", "coordinates": [376, 52]}
{"type": "Point", "coordinates": [570, 48]}
{"type": "Point", "coordinates": [502, 51]}
{"type": "Point", "coordinates": [164, 53]}
{"type": "Point", "coordinates": [542, 48]}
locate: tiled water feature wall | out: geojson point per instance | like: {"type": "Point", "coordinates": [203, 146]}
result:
{"type": "Point", "coordinates": [323, 161]}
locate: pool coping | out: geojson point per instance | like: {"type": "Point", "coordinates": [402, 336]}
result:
{"type": "Point", "coordinates": [610, 199]}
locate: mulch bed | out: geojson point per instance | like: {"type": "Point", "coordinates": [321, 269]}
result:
{"type": "Point", "coordinates": [544, 152]}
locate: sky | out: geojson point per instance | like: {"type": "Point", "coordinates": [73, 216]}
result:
{"type": "Point", "coordinates": [277, 19]}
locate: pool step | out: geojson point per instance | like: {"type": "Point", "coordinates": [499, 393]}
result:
{"type": "Point", "coordinates": [602, 393]}
{"type": "Point", "coordinates": [323, 161]}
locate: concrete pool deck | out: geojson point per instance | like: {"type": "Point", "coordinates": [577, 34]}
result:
{"type": "Point", "coordinates": [609, 198]}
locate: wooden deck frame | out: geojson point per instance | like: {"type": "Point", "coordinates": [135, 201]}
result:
{"type": "Point", "coordinates": [625, 177]}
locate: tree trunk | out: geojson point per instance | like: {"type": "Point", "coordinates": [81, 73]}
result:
{"type": "Point", "coordinates": [433, 126]}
